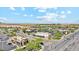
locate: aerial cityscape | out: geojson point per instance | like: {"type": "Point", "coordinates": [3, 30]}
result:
{"type": "Point", "coordinates": [39, 29]}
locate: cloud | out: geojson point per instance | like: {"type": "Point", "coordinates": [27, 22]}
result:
{"type": "Point", "coordinates": [69, 12]}
{"type": "Point", "coordinates": [44, 9]}
{"type": "Point", "coordinates": [52, 14]}
{"type": "Point", "coordinates": [2, 19]}
{"type": "Point", "coordinates": [25, 15]}
{"type": "Point", "coordinates": [62, 16]}
{"type": "Point", "coordinates": [52, 17]}
{"type": "Point", "coordinates": [41, 9]}
{"type": "Point", "coordinates": [28, 15]}
{"type": "Point", "coordinates": [55, 8]}
{"type": "Point", "coordinates": [16, 13]}
{"type": "Point", "coordinates": [48, 17]}
{"type": "Point", "coordinates": [22, 8]}
{"type": "Point", "coordinates": [31, 15]}
{"type": "Point", "coordinates": [62, 12]}
{"type": "Point", "coordinates": [12, 8]}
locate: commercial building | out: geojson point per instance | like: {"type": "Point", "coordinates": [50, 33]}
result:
{"type": "Point", "coordinates": [18, 41]}
{"type": "Point", "coordinates": [42, 35]}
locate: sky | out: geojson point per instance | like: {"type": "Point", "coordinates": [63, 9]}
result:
{"type": "Point", "coordinates": [39, 15]}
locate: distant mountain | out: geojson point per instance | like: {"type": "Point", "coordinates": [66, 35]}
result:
{"type": "Point", "coordinates": [2, 23]}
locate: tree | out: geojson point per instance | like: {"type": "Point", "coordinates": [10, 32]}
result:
{"type": "Point", "coordinates": [33, 45]}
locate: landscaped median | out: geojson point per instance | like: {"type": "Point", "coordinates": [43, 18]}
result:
{"type": "Point", "coordinates": [57, 35]}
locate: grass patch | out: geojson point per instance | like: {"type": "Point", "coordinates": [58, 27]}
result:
{"type": "Point", "coordinates": [33, 45]}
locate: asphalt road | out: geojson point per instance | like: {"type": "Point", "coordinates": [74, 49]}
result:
{"type": "Point", "coordinates": [69, 43]}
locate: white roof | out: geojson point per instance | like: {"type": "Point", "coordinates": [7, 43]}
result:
{"type": "Point", "coordinates": [42, 34]}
